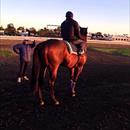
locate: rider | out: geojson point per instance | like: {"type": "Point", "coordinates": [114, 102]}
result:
{"type": "Point", "coordinates": [70, 31]}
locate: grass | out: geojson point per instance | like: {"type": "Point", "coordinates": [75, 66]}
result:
{"type": "Point", "coordinates": [5, 53]}
{"type": "Point", "coordinates": [123, 50]}
{"type": "Point", "coordinates": [113, 51]}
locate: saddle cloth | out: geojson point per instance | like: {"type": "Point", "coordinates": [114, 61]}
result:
{"type": "Point", "coordinates": [72, 48]}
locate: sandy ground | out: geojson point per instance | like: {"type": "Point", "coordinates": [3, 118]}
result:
{"type": "Point", "coordinates": [102, 101]}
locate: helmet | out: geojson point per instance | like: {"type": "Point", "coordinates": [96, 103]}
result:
{"type": "Point", "coordinates": [69, 14]}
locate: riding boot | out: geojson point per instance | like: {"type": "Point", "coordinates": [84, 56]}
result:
{"type": "Point", "coordinates": [80, 49]}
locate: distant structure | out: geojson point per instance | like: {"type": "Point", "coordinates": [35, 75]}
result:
{"type": "Point", "coordinates": [22, 33]}
{"type": "Point", "coordinates": [2, 32]}
{"type": "Point", "coordinates": [120, 38]}
{"type": "Point", "coordinates": [108, 37]}
{"type": "Point", "coordinates": [52, 27]}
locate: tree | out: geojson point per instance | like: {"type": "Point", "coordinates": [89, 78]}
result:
{"type": "Point", "coordinates": [99, 35]}
{"type": "Point", "coordinates": [20, 29]}
{"type": "Point", "coordinates": [93, 36]}
{"type": "Point", "coordinates": [41, 32]}
{"type": "Point", "coordinates": [10, 30]}
{"type": "Point", "coordinates": [1, 28]}
{"type": "Point", "coordinates": [32, 31]}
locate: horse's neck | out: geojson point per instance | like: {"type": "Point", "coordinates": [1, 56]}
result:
{"type": "Point", "coordinates": [85, 38]}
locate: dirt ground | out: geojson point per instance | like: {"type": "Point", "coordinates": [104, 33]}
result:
{"type": "Point", "coordinates": [102, 101]}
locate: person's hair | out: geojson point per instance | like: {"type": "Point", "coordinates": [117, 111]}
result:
{"type": "Point", "coordinates": [69, 14]}
{"type": "Point", "coordinates": [25, 40]}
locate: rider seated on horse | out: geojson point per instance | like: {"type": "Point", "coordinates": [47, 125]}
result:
{"type": "Point", "coordinates": [70, 31]}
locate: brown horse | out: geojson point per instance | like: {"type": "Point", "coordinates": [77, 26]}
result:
{"type": "Point", "coordinates": [50, 55]}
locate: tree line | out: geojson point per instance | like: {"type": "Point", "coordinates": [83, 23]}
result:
{"type": "Point", "coordinates": [10, 30]}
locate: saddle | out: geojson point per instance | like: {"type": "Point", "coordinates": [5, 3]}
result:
{"type": "Point", "coordinates": [73, 48]}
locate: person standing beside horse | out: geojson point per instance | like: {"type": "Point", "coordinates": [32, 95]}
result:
{"type": "Point", "coordinates": [24, 50]}
{"type": "Point", "coordinates": [70, 31]}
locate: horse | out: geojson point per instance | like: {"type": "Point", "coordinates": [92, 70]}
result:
{"type": "Point", "coordinates": [49, 55]}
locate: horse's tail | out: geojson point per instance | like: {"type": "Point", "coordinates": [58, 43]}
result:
{"type": "Point", "coordinates": [36, 65]}
{"type": "Point", "coordinates": [39, 60]}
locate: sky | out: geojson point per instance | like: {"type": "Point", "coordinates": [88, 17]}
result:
{"type": "Point", "coordinates": [106, 16]}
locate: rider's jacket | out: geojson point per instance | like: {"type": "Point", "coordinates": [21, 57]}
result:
{"type": "Point", "coordinates": [70, 30]}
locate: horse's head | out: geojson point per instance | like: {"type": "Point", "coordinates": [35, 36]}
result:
{"type": "Point", "coordinates": [84, 32]}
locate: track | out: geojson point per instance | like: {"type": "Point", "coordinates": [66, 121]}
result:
{"type": "Point", "coordinates": [102, 101]}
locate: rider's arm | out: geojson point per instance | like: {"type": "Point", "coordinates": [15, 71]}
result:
{"type": "Point", "coordinates": [77, 31]}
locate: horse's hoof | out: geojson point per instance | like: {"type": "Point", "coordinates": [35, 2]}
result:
{"type": "Point", "coordinates": [42, 104]}
{"type": "Point", "coordinates": [73, 95]}
{"type": "Point", "coordinates": [57, 103]}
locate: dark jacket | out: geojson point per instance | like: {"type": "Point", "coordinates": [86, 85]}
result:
{"type": "Point", "coordinates": [70, 30]}
{"type": "Point", "coordinates": [24, 50]}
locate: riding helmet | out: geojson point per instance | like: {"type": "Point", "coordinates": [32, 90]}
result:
{"type": "Point", "coordinates": [69, 14]}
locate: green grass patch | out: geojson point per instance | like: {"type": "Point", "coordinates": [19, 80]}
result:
{"type": "Point", "coordinates": [5, 53]}
{"type": "Point", "coordinates": [113, 51]}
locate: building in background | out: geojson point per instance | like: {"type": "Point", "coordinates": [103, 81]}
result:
{"type": "Point", "coordinates": [121, 38]}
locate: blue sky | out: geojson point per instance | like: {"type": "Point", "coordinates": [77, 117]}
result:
{"type": "Point", "coordinates": [106, 16]}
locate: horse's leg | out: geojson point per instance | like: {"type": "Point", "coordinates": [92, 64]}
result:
{"type": "Point", "coordinates": [36, 79]}
{"type": "Point", "coordinates": [72, 83]}
{"type": "Point", "coordinates": [74, 77]}
{"type": "Point", "coordinates": [53, 75]}
{"type": "Point", "coordinates": [40, 80]}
